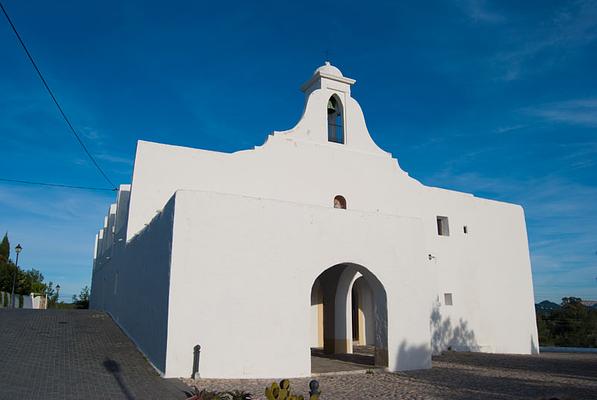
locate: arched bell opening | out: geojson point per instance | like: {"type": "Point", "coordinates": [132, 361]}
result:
{"type": "Point", "coordinates": [335, 113]}
{"type": "Point", "coordinates": [348, 313]}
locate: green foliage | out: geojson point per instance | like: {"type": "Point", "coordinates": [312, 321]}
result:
{"type": "Point", "coordinates": [571, 325]}
{"type": "Point", "coordinates": [196, 394]}
{"type": "Point", "coordinates": [4, 249]}
{"type": "Point", "coordinates": [82, 301]}
{"type": "Point", "coordinates": [64, 306]}
{"type": "Point", "coordinates": [36, 281]}
{"type": "Point", "coordinates": [52, 295]}
{"type": "Point", "coordinates": [26, 282]}
{"type": "Point", "coordinates": [239, 395]}
{"type": "Point", "coordinates": [21, 300]}
{"type": "Point", "coordinates": [7, 271]}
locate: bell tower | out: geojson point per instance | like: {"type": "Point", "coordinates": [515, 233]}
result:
{"type": "Point", "coordinates": [328, 77]}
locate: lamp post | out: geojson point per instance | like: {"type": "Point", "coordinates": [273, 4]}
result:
{"type": "Point", "coordinates": [14, 277]}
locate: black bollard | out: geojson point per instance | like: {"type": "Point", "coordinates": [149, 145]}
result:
{"type": "Point", "coordinates": [196, 354]}
{"type": "Point", "coordinates": [314, 388]}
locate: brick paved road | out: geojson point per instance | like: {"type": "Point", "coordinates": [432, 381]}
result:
{"type": "Point", "coordinates": [73, 354]}
{"type": "Point", "coordinates": [456, 376]}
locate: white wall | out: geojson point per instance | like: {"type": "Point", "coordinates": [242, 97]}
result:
{"type": "Point", "coordinates": [29, 301]}
{"type": "Point", "coordinates": [253, 229]}
{"type": "Point", "coordinates": [138, 298]}
{"type": "Point", "coordinates": [248, 304]}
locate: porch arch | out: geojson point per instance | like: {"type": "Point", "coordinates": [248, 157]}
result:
{"type": "Point", "coordinates": [331, 308]}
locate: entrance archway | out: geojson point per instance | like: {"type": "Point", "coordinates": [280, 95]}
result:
{"type": "Point", "coordinates": [348, 309]}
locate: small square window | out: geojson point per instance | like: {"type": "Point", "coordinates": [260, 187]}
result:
{"type": "Point", "coordinates": [448, 299]}
{"type": "Point", "coordinates": [443, 229]}
{"type": "Point", "coordinates": [465, 229]}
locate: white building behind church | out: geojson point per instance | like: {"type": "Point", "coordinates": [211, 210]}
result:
{"type": "Point", "coordinates": [317, 238]}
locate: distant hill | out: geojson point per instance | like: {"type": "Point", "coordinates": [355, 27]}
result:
{"type": "Point", "coordinates": [546, 306]}
{"type": "Point", "coordinates": [589, 303]}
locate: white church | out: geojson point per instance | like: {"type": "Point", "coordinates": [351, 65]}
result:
{"type": "Point", "coordinates": [316, 239]}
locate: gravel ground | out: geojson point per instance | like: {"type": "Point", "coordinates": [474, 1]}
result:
{"type": "Point", "coordinates": [454, 376]}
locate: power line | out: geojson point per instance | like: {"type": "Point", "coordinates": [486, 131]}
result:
{"type": "Point", "coordinates": [55, 185]}
{"type": "Point", "coordinates": [72, 129]}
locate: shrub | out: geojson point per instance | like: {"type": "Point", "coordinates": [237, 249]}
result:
{"type": "Point", "coordinates": [197, 394]}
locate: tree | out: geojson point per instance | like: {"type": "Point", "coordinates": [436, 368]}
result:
{"type": "Point", "coordinates": [7, 271]}
{"type": "Point", "coordinates": [573, 324]}
{"type": "Point", "coordinates": [4, 249]}
{"type": "Point", "coordinates": [52, 295]}
{"type": "Point", "coordinates": [35, 280]}
{"type": "Point", "coordinates": [82, 301]}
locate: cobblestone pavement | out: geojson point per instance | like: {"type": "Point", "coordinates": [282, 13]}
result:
{"type": "Point", "coordinates": [74, 354]}
{"type": "Point", "coordinates": [454, 376]}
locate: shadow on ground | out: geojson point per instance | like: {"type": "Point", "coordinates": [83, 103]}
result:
{"type": "Point", "coordinates": [366, 360]}
{"type": "Point", "coordinates": [474, 375]}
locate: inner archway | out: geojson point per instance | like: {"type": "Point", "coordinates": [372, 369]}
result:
{"type": "Point", "coordinates": [349, 316]}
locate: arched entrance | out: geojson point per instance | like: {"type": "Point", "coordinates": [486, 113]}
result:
{"type": "Point", "coordinates": [348, 312]}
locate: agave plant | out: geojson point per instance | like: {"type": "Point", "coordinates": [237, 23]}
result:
{"type": "Point", "coordinates": [239, 395]}
{"type": "Point", "coordinates": [203, 394]}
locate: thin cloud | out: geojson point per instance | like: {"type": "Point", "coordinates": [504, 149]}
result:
{"type": "Point", "coordinates": [572, 27]}
{"type": "Point", "coordinates": [480, 11]}
{"type": "Point", "coordinates": [510, 128]}
{"type": "Point", "coordinates": [115, 159]}
{"type": "Point", "coordinates": [561, 216]}
{"type": "Point", "coordinates": [53, 204]}
{"type": "Point", "coordinates": [581, 112]}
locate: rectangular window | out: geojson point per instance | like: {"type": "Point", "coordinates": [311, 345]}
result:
{"type": "Point", "coordinates": [442, 226]}
{"type": "Point", "coordinates": [465, 229]}
{"type": "Point", "coordinates": [448, 299]}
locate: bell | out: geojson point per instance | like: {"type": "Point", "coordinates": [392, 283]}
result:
{"type": "Point", "coordinates": [331, 106]}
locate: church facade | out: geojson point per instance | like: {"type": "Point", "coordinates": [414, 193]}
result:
{"type": "Point", "coordinates": [316, 239]}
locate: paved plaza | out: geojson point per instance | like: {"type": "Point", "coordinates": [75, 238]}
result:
{"type": "Point", "coordinates": [80, 354]}
{"type": "Point", "coordinates": [565, 376]}
{"type": "Point", "coordinates": [74, 354]}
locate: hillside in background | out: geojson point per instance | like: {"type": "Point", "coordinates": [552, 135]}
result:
{"type": "Point", "coordinates": [546, 306]}
{"type": "Point", "coordinates": [573, 323]}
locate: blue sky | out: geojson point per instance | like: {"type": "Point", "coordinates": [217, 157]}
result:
{"type": "Point", "coordinates": [494, 98]}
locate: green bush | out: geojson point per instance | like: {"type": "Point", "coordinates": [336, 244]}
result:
{"type": "Point", "coordinates": [197, 394]}
{"type": "Point", "coordinates": [571, 325]}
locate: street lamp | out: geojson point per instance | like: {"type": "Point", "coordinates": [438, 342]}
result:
{"type": "Point", "coordinates": [14, 277]}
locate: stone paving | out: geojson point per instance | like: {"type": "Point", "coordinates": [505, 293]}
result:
{"type": "Point", "coordinates": [74, 354]}
{"type": "Point", "coordinates": [80, 354]}
{"type": "Point", "coordinates": [454, 376]}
